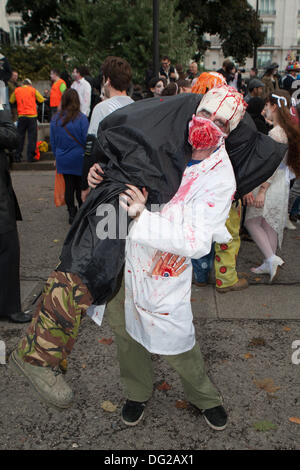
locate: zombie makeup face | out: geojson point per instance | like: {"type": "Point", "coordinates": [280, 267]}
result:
{"type": "Point", "coordinates": [157, 90]}
{"type": "Point", "coordinates": [205, 134]}
{"type": "Point", "coordinates": [223, 105]}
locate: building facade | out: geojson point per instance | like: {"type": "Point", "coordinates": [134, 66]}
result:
{"type": "Point", "coordinates": [10, 26]}
{"type": "Point", "coordinates": [281, 21]}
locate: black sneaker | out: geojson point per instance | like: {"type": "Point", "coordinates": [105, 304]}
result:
{"type": "Point", "coordinates": [132, 412]}
{"type": "Point", "coordinates": [216, 417]}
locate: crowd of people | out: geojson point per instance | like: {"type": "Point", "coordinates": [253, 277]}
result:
{"type": "Point", "coordinates": [191, 148]}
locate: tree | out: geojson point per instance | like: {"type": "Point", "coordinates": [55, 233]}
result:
{"type": "Point", "coordinates": [40, 17]}
{"type": "Point", "coordinates": [34, 61]}
{"type": "Point", "coordinates": [236, 22]}
{"type": "Point", "coordinates": [89, 31]}
{"type": "Point", "coordinates": [124, 28]}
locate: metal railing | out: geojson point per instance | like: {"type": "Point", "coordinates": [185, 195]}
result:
{"type": "Point", "coordinates": [269, 41]}
{"type": "Point", "coordinates": [267, 12]}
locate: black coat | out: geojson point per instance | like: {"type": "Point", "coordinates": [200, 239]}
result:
{"type": "Point", "coordinates": [145, 144]}
{"type": "Point", "coordinates": [9, 207]}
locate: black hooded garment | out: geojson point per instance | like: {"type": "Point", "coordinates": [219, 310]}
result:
{"type": "Point", "coordinates": [146, 144]}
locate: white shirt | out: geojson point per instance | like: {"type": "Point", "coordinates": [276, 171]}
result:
{"type": "Point", "coordinates": [157, 308]}
{"type": "Point", "coordinates": [103, 109]}
{"type": "Point", "coordinates": [84, 91]}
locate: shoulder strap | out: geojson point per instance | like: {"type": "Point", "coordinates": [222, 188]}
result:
{"type": "Point", "coordinates": [74, 138]}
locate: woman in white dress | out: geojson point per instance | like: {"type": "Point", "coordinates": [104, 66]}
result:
{"type": "Point", "coordinates": [267, 205]}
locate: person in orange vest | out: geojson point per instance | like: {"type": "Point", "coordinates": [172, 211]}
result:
{"type": "Point", "coordinates": [26, 97]}
{"type": "Point", "coordinates": [58, 87]}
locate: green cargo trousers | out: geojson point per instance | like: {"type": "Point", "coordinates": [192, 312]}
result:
{"type": "Point", "coordinates": [136, 365]}
{"type": "Point", "coordinates": [54, 328]}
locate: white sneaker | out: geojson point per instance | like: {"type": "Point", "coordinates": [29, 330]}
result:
{"type": "Point", "coordinates": [289, 225]}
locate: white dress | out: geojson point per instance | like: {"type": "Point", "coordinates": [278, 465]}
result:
{"type": "Point", "coordinates": [157, 307]}
{"type": "Point", "coordinates": [275, 208]}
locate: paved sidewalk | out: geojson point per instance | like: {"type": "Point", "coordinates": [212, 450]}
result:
{"type": "Point", "coordinates": [246, 338]}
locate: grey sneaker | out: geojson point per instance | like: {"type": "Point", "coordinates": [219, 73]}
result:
{"type": "Point", "coordinates": [47, 382]}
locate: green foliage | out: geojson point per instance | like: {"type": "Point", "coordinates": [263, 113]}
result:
{"type": "Point", "coordinates": [41, 21]}
{"type": "Point", "coordinates": [34, 61]}
{"type": "Point", "coordinates": [235, 21]}
{"type": "Point", "coordinates": [123, 28]}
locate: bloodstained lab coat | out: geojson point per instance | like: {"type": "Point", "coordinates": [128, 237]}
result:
{"type": "Point", "coordinates": [157, 308]}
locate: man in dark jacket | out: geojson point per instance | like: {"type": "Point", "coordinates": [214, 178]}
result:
{"type": "Point", "coordinates": [10, 300]}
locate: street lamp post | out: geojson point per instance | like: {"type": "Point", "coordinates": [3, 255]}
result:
{"type": "Point", "coordinates": [255, 47]}
{"type": "Point", "coordinates": [156, 36]}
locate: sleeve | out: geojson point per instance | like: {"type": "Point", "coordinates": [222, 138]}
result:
{"type": "Point", "coordinates": [96, 118]}
{"type": "Point", "coordinates": [87, 99]}
{"type": "Point", "coordinates": [9, 138]}
{"type": "Point", "coordinates": [202, 223]}
{"type": "Point", "coordinates": [39, 97]}
{"type": "Point", "coordinates": [84, 125]}
{"type": "Point", "coordinates": [63, 87]}
{"type": "Point", "coordinates": [12, 98]}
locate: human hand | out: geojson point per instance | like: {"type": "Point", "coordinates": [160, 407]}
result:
{"type": "Point", "coordinates": [248, 199]}
{"type": "Point", "coordinates": [133, 200]}
{"type": "Point", "coordinates": [85, 193]}
{"type": "Point", "coordinates": [93, 177]}
{"type": "Point", "coordinates": [169, 265]}
{"type": "Point", "coordinates": [260, 199]}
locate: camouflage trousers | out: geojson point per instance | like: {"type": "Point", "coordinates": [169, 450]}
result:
{"type": "Point", "coordinates": [54, 327]}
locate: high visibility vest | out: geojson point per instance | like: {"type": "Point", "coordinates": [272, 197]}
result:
{"type": "Point", "coordinates": [56, 94]}
{"type": "Point", "coordinates": [26, 100]}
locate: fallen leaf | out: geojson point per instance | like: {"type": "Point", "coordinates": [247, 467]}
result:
{"type": "Point", "coordinates": [267, 385]}
{"type": "Point", "coordinates": [164, 387]}
{"type": "Point", "coordinates": [108, 406]}
{"type": "Point", "coordinates": [83, 366]}
{"type": "Point", "coordinates": [107, 341]}
{"type": "Point", "coordinates": [257, 342]}
{"type": "Point", "coordinates": [296, 238]}
{"type": "Point", "coordinates": [264, 426]}
{"type": "Point", "coordinates": [63, 365]}
{"type": "Point", "coordinates": [265, 305]}
{"type": "Point", "coordinates": [193, 300]}
{"type": "Point", "coordinates": [286, 328]}
{"type": "Point", "coordinates": [248, 356]}
{"type": "Point", "coordinates": [257, 279]}
{"type": "Point", "coordinates": [295, 420]}
{"type": "Point", "coordinates": [181, 404]}
{"type": "Point", "coordinates": [75, 446]}
{"type": "Point", "coordinates": [268, 315]}
{"type": "Point", "coordinates": [56, 241]}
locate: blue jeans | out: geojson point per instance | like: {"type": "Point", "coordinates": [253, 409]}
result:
{"type": "Point", "coordinates": [203, 266]}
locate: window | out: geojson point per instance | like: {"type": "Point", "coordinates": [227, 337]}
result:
{"type": "Point", "coordinates": [267, 7]}
{"type": "Point", "coordinates": [15, 32]}
{"type": "Point", "coordinates": [263, 58]}
{"type": "Point", "coordinates": [268, 28]}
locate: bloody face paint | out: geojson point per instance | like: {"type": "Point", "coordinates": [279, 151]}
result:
{"type": "Point", "coordinates": [204, 134]}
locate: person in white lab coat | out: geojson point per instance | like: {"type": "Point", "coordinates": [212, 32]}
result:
{"type": "Point", "coordinates": [158, 269]}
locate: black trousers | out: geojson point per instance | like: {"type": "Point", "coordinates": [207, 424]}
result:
{"type": "Point", "coordinates": [73, 186]}
{"type": "Point", "coordinates": [29, 125]}
{"type": "Point", "coordinates": [10, 298]}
